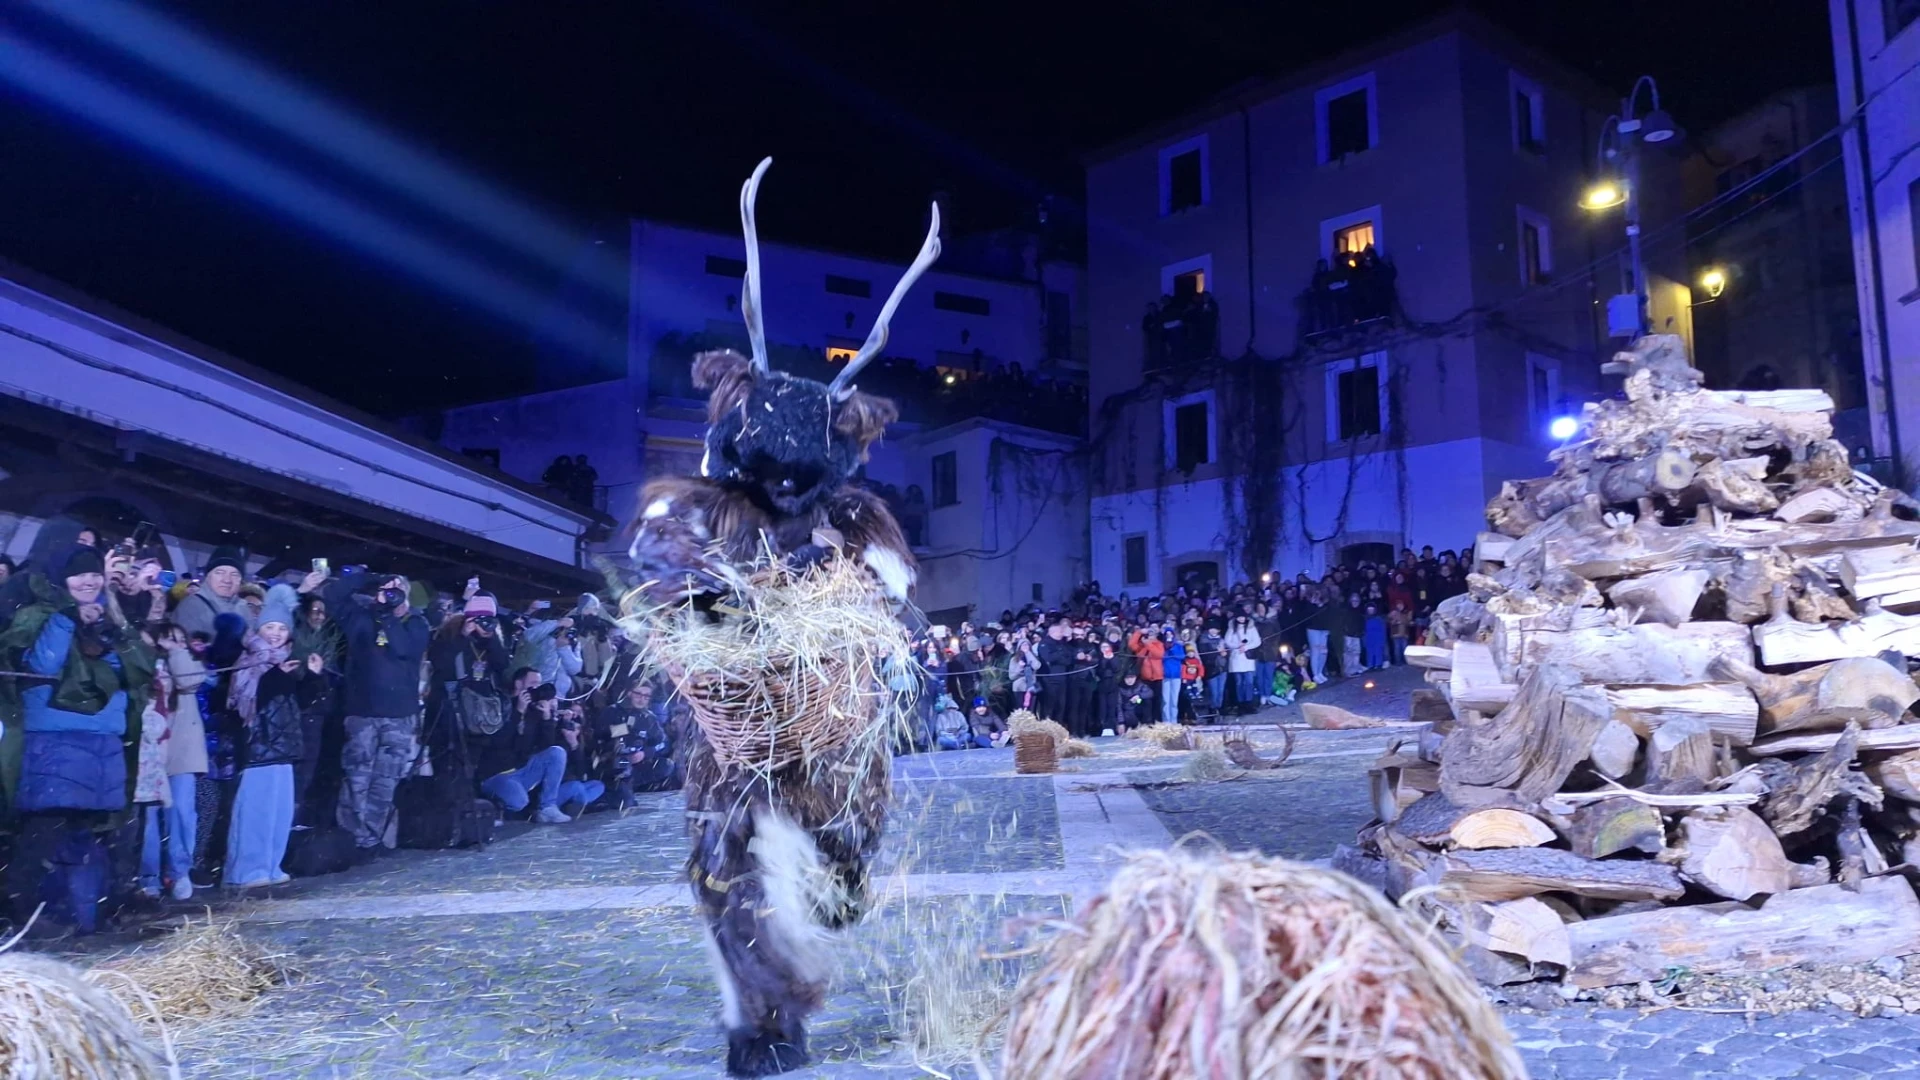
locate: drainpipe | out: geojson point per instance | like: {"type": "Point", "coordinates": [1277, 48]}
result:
{"type": "Point", "coordinates": [1872, 215]}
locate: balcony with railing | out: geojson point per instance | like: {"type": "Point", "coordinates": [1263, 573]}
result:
{"type": "Point", "coordinates": [1182, 330]}
{"type": "Point", "coordinates": [1355, 291]}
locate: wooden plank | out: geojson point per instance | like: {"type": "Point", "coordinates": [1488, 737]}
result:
{"type": "Point", "coordinates": [1794, 400]}
{"type": "Point", "coordinates": [1728, 709]}
{"type": "Point", "coordinates": [1666, 597]}
{"type": "Point", "coordinates": [1648, 653]}
{"type": "Point", "coordinates": [1645, 548]}
{"type": "Point", "coordinates": [1511, 873]}
{"type": "Point", "coordinates": [1430, 657]}
{"type": "Point", "coordinates": [1881, 571]}
{"type": "Point", "coordinates": [1784, 640]}
{"type": "Point", "coordinates": [1903, 737]}
{"type": "Point", "coordinates": [1511, 632]}
{"type": "Point", "coordinates": [1827, 924]}
{"type": "Point", "coordinates": [1475, 682]}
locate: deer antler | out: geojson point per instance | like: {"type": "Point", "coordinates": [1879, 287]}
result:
{"type": "Point", "coordinates": [843, 387]}
{"type": "Point", "coordinates": [750, 288]}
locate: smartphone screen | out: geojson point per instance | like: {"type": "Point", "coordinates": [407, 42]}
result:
{"type": "Point", "coordinates": [319, 566]}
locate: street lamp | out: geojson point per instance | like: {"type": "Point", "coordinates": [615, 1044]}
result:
{"type": "Point", "coordinates": [1715, 282]}
{"type": "Point", "coordinates": [1620, 139]}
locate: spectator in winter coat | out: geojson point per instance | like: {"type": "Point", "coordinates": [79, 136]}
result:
{"type": "Point", "coordinates": [186, 760]}
{"type": "Point", "coordinates": [1242, 641]}
{"type": "Point", "coordinates": [985, 724]}
{"type": "Point", "coordinates": [1352, 627]}
{"type": "Point", "coordinates": [219, 594]}
{"type": "Point", "coordinates": [468, 695]}
{"type": "Point", "coordinates": [1213, 662]}
{"type": "Point", "coordinates": [385, 643]}
{"type": "Point", "coordinates": [642, 750]}
{"type": "Point", "coordinates": [952, 731]}
{"type": "Point", "coordinates": [1056, 662]}
{"type": "Point", "coordinates": [1323, 618]}
{"type": "Point", "coordinates": [1173, 662]}
{"type": "Point", "coordinates": [1374, 638]}
{"type": "Point", "coordinates": [1399, 626]}
{"type": "Point", "coordinates": [151, 792]}
{"type": "Point", "coordinates": [550, 648]}
{"type": "Point", "coordinates": [1137, 704]}
{"type": "Point", "coordinates": [1107, 674]}
{"type": "Point", "coordinates": [269, 693]}
{"type": "Point", "coordinates": [1151, 650]}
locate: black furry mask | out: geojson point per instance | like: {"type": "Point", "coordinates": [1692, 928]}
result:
{"type": "Point", "coordinates": [781, 438]}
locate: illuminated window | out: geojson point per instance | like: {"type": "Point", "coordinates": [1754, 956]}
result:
{"type": "Point", "coordinates": [1353, 239]}
{"type": "Point", "coordinates": [837, 355]}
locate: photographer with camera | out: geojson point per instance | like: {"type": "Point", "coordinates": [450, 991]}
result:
{"type": "Point", "coordinates": [525, 755]}
{"type": "Point", "coordinates": [385, 642]}
{"type": "Point", "coordinates": [642, 751]}
{"type": "Point", "coordinates": [552, 648]}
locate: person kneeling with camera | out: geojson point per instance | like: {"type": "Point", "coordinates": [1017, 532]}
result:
{"type": "Point", "coordinates": [527, 754]}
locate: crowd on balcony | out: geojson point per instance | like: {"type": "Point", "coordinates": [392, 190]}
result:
{"type": "Point", "coordinates": [931, 396]}
{"type": "Point", "coordinates": [1100, 664]}
{"type": "Point", "coordinates": [1182, 329]}
{"type": "Point", "coordinates": [573, 479]}
{"type": "Point", "coordinates": [1353, 289]}
{"type": "Point", "coordinates": [166, 734]}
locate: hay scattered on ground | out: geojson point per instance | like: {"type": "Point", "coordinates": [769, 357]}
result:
{"type": "Point", "coordinates": [1208, 762]}
{"type": "Point", "coordinates": [1199, 963]}
{"type": "Point", "coordinates": [1164, 736]}
{"type": "Point", "coordinates": [1076, 748]}
{"type": "Point", "coordinates": [203, 971]}
{"type": "Point", "coordinates": [1024, 720]}
{"type": "Point", "coordinates": [57, 1023]}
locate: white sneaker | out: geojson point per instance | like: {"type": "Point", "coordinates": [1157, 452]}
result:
{"type": "Point", "coordinates": [183, 888]}
{"type": "Point", "coordinates": [551, 815]}
{"type": "Point", "coordinates": [151, 892]}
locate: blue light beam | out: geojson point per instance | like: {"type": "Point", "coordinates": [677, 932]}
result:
{"type": "Point", "coordinates": [80, 93]}
{"type": "Point", "coordinates": [306, 117]}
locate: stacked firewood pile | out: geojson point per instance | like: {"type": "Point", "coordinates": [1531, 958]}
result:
{"type": "Point", "coordinates": [1670, 720]}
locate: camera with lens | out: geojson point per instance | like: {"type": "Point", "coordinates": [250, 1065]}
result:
{"type": "Point", "coordinates": [489, 623]}
{"type": "Point", "coordinates": [389, 599]}
{"type": "Point", "coordinates": [593, 625]}
{"type": "Point", "coordinates": [97, 638]}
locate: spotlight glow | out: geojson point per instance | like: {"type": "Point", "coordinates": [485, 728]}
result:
{"type": "Point", "coordinates": [1563, 428]}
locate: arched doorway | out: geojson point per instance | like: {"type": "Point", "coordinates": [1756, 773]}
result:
{"type": "Point", "coordinates": [1378, 554]}
{"type": "Point", "coordinates": [1193, 575]}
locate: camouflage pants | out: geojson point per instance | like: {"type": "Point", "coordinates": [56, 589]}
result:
{"type": "Point", "coordinates": [379, 752]}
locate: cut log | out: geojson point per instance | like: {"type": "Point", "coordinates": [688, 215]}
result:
{"type": "Point", "coordinates": [1527, 750]}
{"type": "Point", "coordinates": [1736, 485]}
{"type": "Point", "coordinates": [1522, 613]}
{"type": "Point", "coordinates": [1903, 737]}
{"type": "Point", "coordinates": [1430, 657]}
{"type": "Point", "coordinates": [1809, 875]}
{"type": "Point", "coordinates": [1511, 873]}
{"type": "Point", "coordinates": [1397, 781]}
{"type": "Point", "coordinates": [1785, 640]}
{"type": "Point", "coordinates": [1526, 928]}
{"type": "Point", "coordinates": [1730, 852]}
{"type": "Point", "coordinates": [1615, 749]}
{"type": "Point", "coordinates": [1607, 828]}
{"type": "Point", "coordinates": [1826, 925]}
{"type": "Point", "coordinates": [1821, 504]}
{"type": "Point", "coordinates": [1666, 597]}
{"type": "Point", "coordinates": [1898, 776]}
{"type": "Point", "coordinates": [1794, 400]}
{"type": "Point", "coordinates": [1645, 547]}
{"type": "Point", "coordinates": [1497, 827]}
{"type": "Point", "coordinates": [1860, 690]}
{"type": "Point", "coordinates": [1649, 653]}
{"type": "Point", "coordinates": [1727, 708]}
{"type": "Point", "coordinates": [1333, 718]}
{"type": "Point", "coordinates": [1429, 820]}
{"type": "Point", "coordinates": [1884, 571]}
{"type": "Point", "coordinates": [1798, 794]}
{"type": "Point", "coordinates": [1476, 683]}
{"type": "Point", "coordinates": [1748, 581]}
{"type": "Point", "coordinates": [1429, 707]}
{"type": "Point", "coordinates": [1680, 756]}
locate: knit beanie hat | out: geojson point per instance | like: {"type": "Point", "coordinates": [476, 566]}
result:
{"type": "Point", "coordinates": [80, 559]}
{"type": "Point", "coordinates": [226, 556]}
{"type": "Point", "coordinates": [480, 604]}
{"type": "Point", "coordinates": [281, 600]}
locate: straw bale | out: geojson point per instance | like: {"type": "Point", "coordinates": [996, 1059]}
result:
{"type": "Point", "coordinates": [57, 1023]}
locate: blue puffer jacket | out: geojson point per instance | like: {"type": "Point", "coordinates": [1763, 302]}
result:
{"type": "Point", "coordinates": [1170, 663]}
{"type": "Point", "coordinates": [70, 761]}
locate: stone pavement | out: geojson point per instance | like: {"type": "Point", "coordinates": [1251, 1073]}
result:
{"type": "Point", "coordinates": [570, 951]}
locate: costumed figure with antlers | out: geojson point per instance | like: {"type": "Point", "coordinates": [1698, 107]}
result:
{"type": "Point", "coordinates": [779, 857]}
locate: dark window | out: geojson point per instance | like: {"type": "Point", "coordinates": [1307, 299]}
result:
{"type": "Point", "coordinates": [1184, 187]}
{"type": "Point", "coordinates": [1039, 593]}
{"type": "Point", "coordinates": [849, 286]}
{"type": "Point", "coordinates": [1134, 554]}
{"type": "Point", "coordinates": [1190, 436]}
{"type": "Point", "coordinates": [1913, 219]}
{"type": "Point", "coordinates": [1897, 15]}
{"type": "Point", "coordinates": [1059, 325]}
{"type": "Point", "coordinates": [1526, 126]}
{"type": "Point", "coordinates": [1532, 261]}
{"type": "Point", "coordinates": [1359, 402]}
{"type": "Point", "coordinates": [1190, 284]}
{"type": "Point", "coordinates": [722, 266]}
{"type": "Point", "coordinates": [960, 302]}
{"type": "Point", "coordinates": [1347, 128]}
{"type": "Point", "coordinates": [946, 478]}
{"type": "Point", "coordinates": [1542, 392]}
{"type": "Point", "coordinates": [1195, 574]}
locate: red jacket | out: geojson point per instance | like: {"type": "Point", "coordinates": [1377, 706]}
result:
{"type": "Point", "coordinates": [1151, 651]}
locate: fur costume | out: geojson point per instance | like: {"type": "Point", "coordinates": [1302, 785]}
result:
{"type": "Point", "coordinates": [778, 861]}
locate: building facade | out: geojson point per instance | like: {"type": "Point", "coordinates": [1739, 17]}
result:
{"type": "Point", "coordinates": [1377, 246]}
{"type": "Point", "coordinates": [1777, 235]}
{"type": "Point", "coordinates": [1876, 47]}
{"type": "Point", "coordinates": [995, 328]}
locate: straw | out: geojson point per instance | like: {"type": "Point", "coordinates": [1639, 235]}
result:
{"type": "Point", "coordinates": [202, 971]}
{"type": "Point", "coordinates": [57, 1024]}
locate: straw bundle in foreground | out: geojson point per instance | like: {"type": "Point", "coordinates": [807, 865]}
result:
{"type": "Point", "coordinates": [1164, 736]}
{"type": "Point", "coordinates": [791, 669]}
{"type": "Point", "coordinates": [203, 971]}
{"type": "Point", "coordinates": [58, 1024]}
{"type": "Point", "coordinates": [1076, 748]}
{"type": "Point", "coordinates": [1209, 761]}
{"type": "Point", "coordinates": [1202, 964]}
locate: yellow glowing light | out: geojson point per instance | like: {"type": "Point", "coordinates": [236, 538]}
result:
{"type": "Point", "coordinates": [951, 380]}
{"type": "Point", "coordinates": [1602, 195]}
{"type": "Point", "coordinates": [1368, 685]}
{"type": "Point", "coordinates": [1714, 281]}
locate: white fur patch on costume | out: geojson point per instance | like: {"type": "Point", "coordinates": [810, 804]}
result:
{"type": "Point", "coordinates": [659, 508]}
{"type": "Point", "coordinates": [730, 1014]}
{"type": "Point", "coordinates": [797, 885]}
{"type": "Point", "coordinates": [697, 522]}
{"type": "Point", "coordinates": [894, 574]}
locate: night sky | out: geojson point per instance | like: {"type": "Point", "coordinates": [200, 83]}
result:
{"type": "Point", "coordinates": [588, 113]}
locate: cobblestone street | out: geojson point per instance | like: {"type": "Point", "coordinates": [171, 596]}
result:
{"type": "Point", "coordinates": [569, 951]}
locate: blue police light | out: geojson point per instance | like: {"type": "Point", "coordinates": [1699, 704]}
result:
{"type": "Point", "coordinates": [1563, 428]}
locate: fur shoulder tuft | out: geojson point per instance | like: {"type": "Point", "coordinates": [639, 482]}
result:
{"type": "Point", "coordinates": [726, 376]}
{"type": "Point", "coordinates": [864, 418]}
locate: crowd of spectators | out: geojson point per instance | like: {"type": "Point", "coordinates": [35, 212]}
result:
{"type": "Point", "coordinates": [1102, 664]}
{"type": "Point", "coordinates": [168, 733]}
{"type": "Point", "coordinates": [1357, 287]}
{"type": "Point", "coordinates": [1182, 329]}
{"type": "Point", "coordinates": [573, 479]}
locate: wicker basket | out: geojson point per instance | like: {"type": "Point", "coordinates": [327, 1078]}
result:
{"type": "Point", "coordinates": [778, 718]}
{"type": "Point", "coordinates": [1035, 752]}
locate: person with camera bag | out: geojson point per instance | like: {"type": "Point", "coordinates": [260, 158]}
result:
{"type": "Point", "coordinates": [385, 643]}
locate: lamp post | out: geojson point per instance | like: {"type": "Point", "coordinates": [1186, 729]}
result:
{"type": "Point", "coordinates": [1619, 153]}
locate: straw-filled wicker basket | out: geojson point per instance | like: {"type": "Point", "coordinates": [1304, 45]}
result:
{"type": "Point", "coordinates": [790, 670]}
{"type": "Point", "coordinates": [1035, 752]}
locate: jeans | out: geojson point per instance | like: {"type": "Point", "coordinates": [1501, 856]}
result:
{"type": "Point", "coordinates": [583, 792]}
{"type": "Point", "coordinates": [955, 742]}
{"type": "Point", "coordinates": [262, 818]}
{"type": "Point", "coordinates": [1317, 652]}
{"type": "Point", "coordinates": [1397, 647]}
{"type": "Point", "coordinates": [1263, 671]}
{"type": "Point", "coordinates": [181, 822]}
{"type": "Point", "coordinates": [1350, 659]}
{"type": "Point", "coordinates": [1243, 689]}
{"type": "Point", "coordinates": [543, 770]}
{"type": "Point", "coordinates": [1170, 701]}
{"type": "Point", "coordinates": [1217, 690]}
